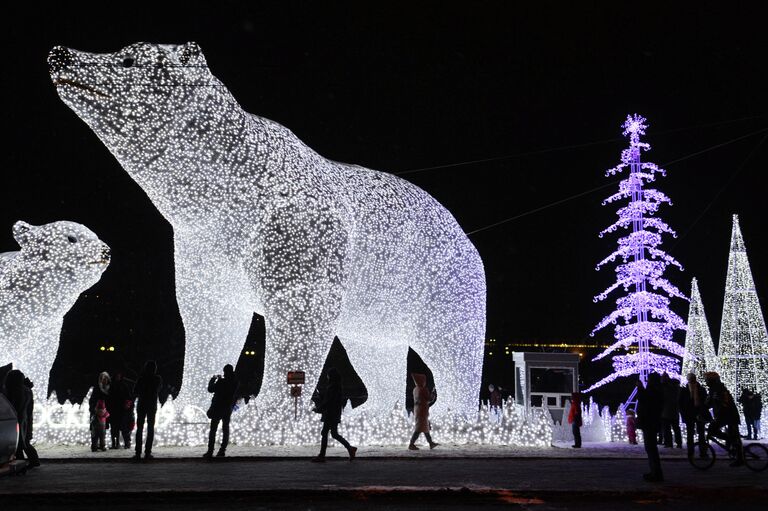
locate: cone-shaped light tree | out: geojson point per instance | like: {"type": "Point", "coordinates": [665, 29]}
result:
{"type": "Point", "coordinates": [700, 355]}
{"type": "Point", "coordinates": [743, 346]}
{"type": "Point", "coordinates": [642, 316]}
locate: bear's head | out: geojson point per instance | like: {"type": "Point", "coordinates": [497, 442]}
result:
{"type": "Point", "coordinates": [132, 97]}
{"type": "Point", "coordinates": [68, 250]}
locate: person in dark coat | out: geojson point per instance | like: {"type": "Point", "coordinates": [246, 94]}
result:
{"type": "Point", "coordinates": [120, 406]}
{"type": "Point", "coordinates": [30, 408]}
{"type": "Point", "coordinates": [757, 403]}
{"type": "Point", "coordinates": [224, 391]}
{"type": "Point", "coordinates": [747, 408]}
{"type": "Point", "coordinates": [650, 403]}
{"type": "Point", "coordinates": [20, 396]}
{"type": "Point", "coordinates": [670, 414]}
{"type": "Point", "coordinates": [331, 403]}
{"type": "Point", "coordinates": [693, 398]}
{"type": "Point", "coordinates": [100, 392]}
{"type": "Point", "coordinates": [146, 391]}
{"type": "Point", "coordinates": [726, 415]}
{"type": "Point", "coordinates": [574, 418]}
{"type": "Point", "coordinates": [494, 397]}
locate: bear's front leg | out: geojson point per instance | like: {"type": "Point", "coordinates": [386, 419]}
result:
{"type": "Point", "coordinates": [299, 332]}
{"type": "Point", "coordinates": [216, 306]}
{"type": "Point", "coordinates": [299, 277]}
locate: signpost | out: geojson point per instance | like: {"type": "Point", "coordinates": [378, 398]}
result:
{"type": "Point", "coordinates": [296, 379]}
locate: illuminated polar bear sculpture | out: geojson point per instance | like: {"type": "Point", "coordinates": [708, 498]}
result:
{"type": "Point", "coordinates": [263, 223]}
{"type": "Point", "coordinates": [38, 285]}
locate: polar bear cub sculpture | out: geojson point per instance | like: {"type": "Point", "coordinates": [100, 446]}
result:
{"type": "Point", "coordinates": [263, 223]}
{"type": "Point", "coordinates": [38, 285]}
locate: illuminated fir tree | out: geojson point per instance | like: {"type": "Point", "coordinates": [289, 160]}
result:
{"type": "Point", "coordinates": [743, 346]}
{"type": "Point", "coordinates": [700, 355]}
{"type": "Point", "coordinates": [642, 317]}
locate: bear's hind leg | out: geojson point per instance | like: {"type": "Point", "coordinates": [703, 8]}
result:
{"type": "Point", "coordinates": [383, 371]}
{"type": "Point", "coordinates": [455, 358]}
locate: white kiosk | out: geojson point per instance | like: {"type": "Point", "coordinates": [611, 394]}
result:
{"type": "Point", "coordinates": [546, 379]}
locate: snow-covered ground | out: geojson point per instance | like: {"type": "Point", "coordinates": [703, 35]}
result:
{"type": "Point", "coordinates": [558, 450]}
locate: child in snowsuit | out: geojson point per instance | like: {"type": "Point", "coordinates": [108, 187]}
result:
{"type": "Point", "coordinates": [100, 424]}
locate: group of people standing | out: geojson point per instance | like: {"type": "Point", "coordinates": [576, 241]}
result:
{"type": "Point", "coordinates": [116, 406]}
{"type": "Point", "coordinates": [662, 403]}
{"type": "Point", "coordinates": [111, 407]}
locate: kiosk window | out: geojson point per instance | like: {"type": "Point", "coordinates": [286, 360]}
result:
{"type": "Point", "coordinates": [551, 380]}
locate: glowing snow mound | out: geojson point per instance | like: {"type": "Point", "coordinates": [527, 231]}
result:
{"type": "Point", "coordinates": [38, 285]}
{"type": "Point", "coordinates": [261, 427]}
{"type": "Point", "coordinates": [263, 223]}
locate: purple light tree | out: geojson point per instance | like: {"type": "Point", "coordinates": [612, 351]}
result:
{"type": "Point", "coordinates": [642, 316]}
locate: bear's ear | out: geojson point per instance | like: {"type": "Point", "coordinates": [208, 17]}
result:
{"type": "Point", "coordinates": [21, 232]}
{"type": "Point", "coordinates": [190, 55]}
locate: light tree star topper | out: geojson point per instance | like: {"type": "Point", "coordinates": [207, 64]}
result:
{"type": "Point", "coordinates": [642, 316]}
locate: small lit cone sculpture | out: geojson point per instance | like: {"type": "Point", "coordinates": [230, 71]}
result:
{"type": "Point", "coordinates": [700, 355]}
{"type": "Point", "coordinates": [38, 285]}
{"type": "Point", "coordinates": [263, 223]}
{"type": "Point", "coordinates": [743, 346]}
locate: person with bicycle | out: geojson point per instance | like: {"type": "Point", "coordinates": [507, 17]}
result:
{"type": "Point", "coordinates": [726, 415]}
{"type": "Point", "coordinates": [693, 398]}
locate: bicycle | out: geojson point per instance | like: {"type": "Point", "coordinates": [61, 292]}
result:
{"type": "Point", "coordinates": [755, 455]}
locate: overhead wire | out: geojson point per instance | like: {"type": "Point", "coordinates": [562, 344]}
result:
{"type": "Point", "coordinates": [570, 146]}
{"type": "Point", "coordinates": [612, 183]}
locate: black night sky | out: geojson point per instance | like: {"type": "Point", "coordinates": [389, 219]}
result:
{"type": "Point", "coordinates": [401, 86]}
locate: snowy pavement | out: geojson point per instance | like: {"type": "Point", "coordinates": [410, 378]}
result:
{"type": "Point", "coordinates": [599, 450]}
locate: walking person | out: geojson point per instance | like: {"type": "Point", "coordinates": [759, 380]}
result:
{"type": "Point", "coordinates": [670, 414]}
{"type": "Point", "coordinates": [99, 393]}
{"type": "Point", "coordinates": [146, 391]}
{"type": "Point", "coordinates": [726, 415]}
{"type": "Point", "coordinates": [650, 402]}
{"type": "Point", "coordinates": [19, 394]}
{"type": "Point", "coordinates": [120, 405]}
{"type": "Point", "coordinates": [331, 403]}
{"type": "Point", "coordinates": [694, 414]}
{"type": "Point", "coordinates": [224, 390]}
{"type": "Point", "coordinates": [574, 419]}
{"type": "Point", "coordinates": [421, 402]}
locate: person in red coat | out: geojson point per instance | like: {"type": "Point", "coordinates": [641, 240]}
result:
{"type": "Point", "coordinates": [574, 419]}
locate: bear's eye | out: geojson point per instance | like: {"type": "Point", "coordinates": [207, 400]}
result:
{"type": "Point", "coordinates": [71, 239]}
{"type": "Point", "coordinates": [128, 62]}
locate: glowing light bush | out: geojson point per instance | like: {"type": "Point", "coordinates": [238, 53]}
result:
{"type": "Point", "coordinates": [642, 316]}
{"type": "Point", "coordinates": [38, 285]}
